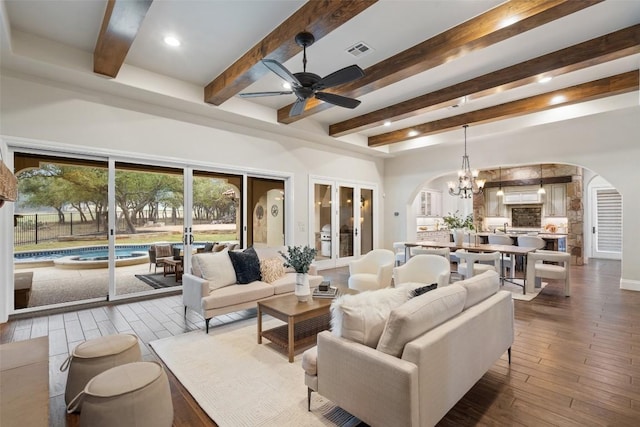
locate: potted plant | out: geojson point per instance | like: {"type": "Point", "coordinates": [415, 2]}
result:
{"type": "Point", "coordinates": [458, 224]}
{"type": "Point", "coordinates": [300, 258]}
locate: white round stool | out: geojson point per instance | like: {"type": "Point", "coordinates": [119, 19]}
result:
{"type": "Point", "coordinates": [95, 356]}
{"type": "Point", "coordinates": [132, 395]}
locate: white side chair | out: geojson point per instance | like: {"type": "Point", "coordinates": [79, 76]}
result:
{"type": "Point", "coordinates": [424, 269]}
{"type": "Point", "coordinates": [507, 260]}
{"type": "Point", "coordinates": [372, 271]}
{"type": "Point", "coordinates": [444, 252]}
{"type": "Point", "coordinates": [399, 249]}
{"type": "Point", "coordinates": [532, 242]}
{"type": "Point", "coordinates": [537, 269]}
{"type": "Point", "coordinates": [470, 262]}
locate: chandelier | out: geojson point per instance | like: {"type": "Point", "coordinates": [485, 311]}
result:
{"type": "Point", "coordinates": [468, 182]}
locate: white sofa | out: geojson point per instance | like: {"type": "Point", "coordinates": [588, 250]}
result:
{"type": "Point", "coordinates": [433, 348]}
{"type": "Point", "coordinates": [212, 288]}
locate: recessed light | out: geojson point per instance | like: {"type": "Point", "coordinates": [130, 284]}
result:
{"type": "Point", "coordinates": [413, 133]}
{"type": "Point", "coordinates": [172, 41]}
{"type": "Point", "coordinates": [387, 123]}
{"type": "Point", "coordinates": [545, 79]}
{"type": "Point", "coordinates": [286, 85]}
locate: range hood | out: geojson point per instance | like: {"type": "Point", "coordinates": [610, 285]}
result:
{"type": "Point", "coordinates": [522, 197]}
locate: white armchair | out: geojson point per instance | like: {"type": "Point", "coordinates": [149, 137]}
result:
{"type": "Point", "coordinates": [425, 269]}
{"type": "Point", "coordinates": [471, 263]}
{"type": "Point", "coordinates": [419, 250]}
{"type": "Point", "coordinates": [537, 269]}
{"type": "Point", "coordinates": [372, 271]}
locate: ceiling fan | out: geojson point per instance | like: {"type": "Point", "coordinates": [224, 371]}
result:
{"type": "Point", "coordinates": [307, 85]}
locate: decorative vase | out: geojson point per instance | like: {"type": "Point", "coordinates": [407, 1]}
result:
{"type": "Point", "coordinates": [458, 236]}
{"type": "Point", "coordinates": [302, 287]}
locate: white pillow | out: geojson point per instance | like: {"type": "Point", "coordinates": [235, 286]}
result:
{"type": "Point", "coordinates": [420, 314]}
{"type": "Point", "coordinates": [361, 317]}
{"type": "Point", "coordinates": [216, 268]}
{"type": "Point", "coordinates": [480, 287]}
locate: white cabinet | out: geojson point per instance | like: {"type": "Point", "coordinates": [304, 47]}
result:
{"type": "Point", "coordinates": [493, 204]}
{"type": "Point", "coordinates": [522, 196]}
{"type": "Point", "coordinates": [429, 203]}
{"type": "Point", "coordinates": [555, 201]}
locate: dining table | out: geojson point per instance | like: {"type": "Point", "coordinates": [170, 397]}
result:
{"type": "Point", "coordinates": [513, 250]}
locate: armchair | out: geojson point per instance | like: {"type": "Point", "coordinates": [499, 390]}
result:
{"type": "Point", "coordinates": [157, 255]}
{"type": "Point", "coordinates": [470, 262]}
{"type": "Point", "coordinates": [425, 269]}
{"type": "Point", "coordinates": [372, 271]}
{"type": "Point", "coordinates": [537, 268]}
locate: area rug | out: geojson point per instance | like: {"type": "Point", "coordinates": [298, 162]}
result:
{"type": "Point", "coordinates": [238, 382]}
{"type": "Point", "coordinates": [158, 280]}
{"type": "Point", "coordinates": [516, 291]}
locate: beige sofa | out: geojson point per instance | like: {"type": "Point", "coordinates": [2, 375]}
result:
{"type": "Point", "coordinates": [432, 349]}
{"type": "Point", "coordinates": [211, 288]}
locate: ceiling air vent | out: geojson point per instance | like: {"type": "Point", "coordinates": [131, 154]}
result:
{"type": "Point", "coordinates": [359, 49]}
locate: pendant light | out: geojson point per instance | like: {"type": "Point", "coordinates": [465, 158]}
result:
{"type": "Point", "coordinates": [541, 190]}
{"type": "Point", "coordinates": [468, 183]}
{"type": "Point", "coordinates": [500, 193]}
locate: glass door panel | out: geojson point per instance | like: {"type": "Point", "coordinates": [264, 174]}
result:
{"type": "Point", "coordinates": [322, 221]}
{"type": "Point", "coordinates": [60, 230]}
{"type": "Point", "coordinates": [366, 220]}
{"type": "Point", "coordinates": [345, 222]}
{"type": "Point", "coordinates": [265, 204]}
{"type": "Point", "coordinates": [149, 204]}
{"type": "Point", "coordinates": [216, 214]}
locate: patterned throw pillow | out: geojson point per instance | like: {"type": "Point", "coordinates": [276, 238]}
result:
{"type": "Point", "coordinates": [422, 290]}
{"type": "Point", "coordinates": [271, 269]}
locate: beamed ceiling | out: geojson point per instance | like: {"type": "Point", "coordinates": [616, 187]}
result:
{"type": "Point", "coordinates": [433, 65]}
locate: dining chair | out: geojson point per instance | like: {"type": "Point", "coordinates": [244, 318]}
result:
{"type": "Point", "coordinates": [507, 261]}
{"type": "Point", "coordinates": [423, 269]}
{"type": "Point", "coordinates": [532, 242]}
{"type": "Point", "coordinates": [471, 263]}
{"type": "Point", "coordinates": [157, 255]}
{"type": "Point", "coordinates": [539, 266]}
{"type": "Point", "coordinates": [444, 252]}
{"type": "Point", "coordinates": [399, 249]}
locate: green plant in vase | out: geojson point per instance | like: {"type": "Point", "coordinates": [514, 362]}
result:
{"type": "Point", "coordinates": [300, 258]}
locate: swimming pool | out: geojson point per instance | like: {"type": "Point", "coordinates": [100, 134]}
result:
{"type": "Point", "coordinates": [88, 257]}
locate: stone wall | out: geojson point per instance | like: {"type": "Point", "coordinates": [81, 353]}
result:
{"type": "Point", "coordinates": [575, 203]}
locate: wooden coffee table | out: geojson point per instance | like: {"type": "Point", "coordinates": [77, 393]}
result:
{"type": "Point", "coordinates": [304, 320]}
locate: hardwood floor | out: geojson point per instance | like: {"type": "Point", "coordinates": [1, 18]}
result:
{"type": "Point", "coordinates": [575, 361]}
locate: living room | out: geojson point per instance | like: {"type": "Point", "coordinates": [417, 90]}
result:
{"type": "Point", "coordinates": [126, 119]}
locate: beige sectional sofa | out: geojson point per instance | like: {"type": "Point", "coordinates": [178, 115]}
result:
{"type": "Point", "coordinates": [428, 352]}
{"type": "Point", "coordinates": [212, 287]}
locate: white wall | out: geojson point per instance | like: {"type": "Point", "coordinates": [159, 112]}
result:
{"type": "Point", "coordinates": [70, 118]}
{"type": "Point", "coordinates": [607, 143]}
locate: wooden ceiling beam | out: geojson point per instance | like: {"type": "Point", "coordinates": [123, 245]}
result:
{"type": "Point", "coordinates": [599, 50]}
{"type": "Point", "coordinates": [477, 33]}
{"type": "Point", "coordinates": [609, 86]}
{"type": "Point", "coordinates": [120, 25]}
{"type": "Point", "coordinates": [317, 17]}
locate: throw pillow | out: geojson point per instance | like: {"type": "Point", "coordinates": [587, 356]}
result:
{"type": "Point", "coordinates": [208, 247]}
{"type": "Point", "coordinates": [419, 315]}
{"type": "Point", "coordinates": [271, 269]}
{"type": "Point", "coordinates": [361, 317]}
{"type": "Point", "coordinates": [216, 268]}
{"type": "Point", "coordinates": [247, 266]}
{"type": "Point", "coordinates": [422, 290]}
{"type": "Point", "coordinates": [219, 247]}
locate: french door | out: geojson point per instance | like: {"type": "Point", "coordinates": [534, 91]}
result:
{"type": "Point", "coordinates": [342, 218]}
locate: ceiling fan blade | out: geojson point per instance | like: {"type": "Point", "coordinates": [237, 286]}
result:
{"type": "Point", "coordinates": [281, 72]}
{"type": "Point", "coordinates": [345, 75]}
{"type": "Point", "coordinates": [339, 100]}
{"type": "Point", "coordinates": [298, 107]}
{"type": "Point", "coordinates": [257, 94]}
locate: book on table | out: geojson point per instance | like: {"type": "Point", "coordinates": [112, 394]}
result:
{"type": "Point", "coordinates": [331, 292]}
